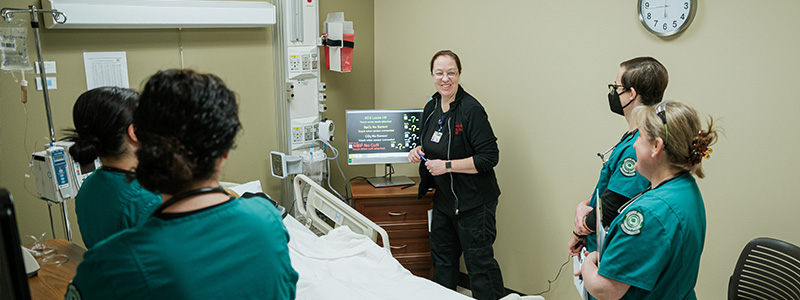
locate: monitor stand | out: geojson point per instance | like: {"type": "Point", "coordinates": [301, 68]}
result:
{"type": "Point", "coordinates": [389, 180]}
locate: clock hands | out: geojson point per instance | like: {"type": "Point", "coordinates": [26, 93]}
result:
{"type": "Point", "coordinates": [665, 6]}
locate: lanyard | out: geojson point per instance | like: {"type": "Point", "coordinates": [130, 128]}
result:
{"type": "Point", "coordinates": [650, 188]}
{"type": "Point", "coordinates": [187, 194]}
{"type": "Point", "coordinates": [117, 170]}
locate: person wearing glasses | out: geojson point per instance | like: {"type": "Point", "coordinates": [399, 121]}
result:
{"type": "Point", "coordinates": [111, 199]}
{"type": "Point", "coordinates": [200, 243]}
{"type": "Point", "coordinates": [458, 155]}
{"type": "Point", "coordinates": [641, 81]}
{"type": "Point", "coordinates": [652, 250]}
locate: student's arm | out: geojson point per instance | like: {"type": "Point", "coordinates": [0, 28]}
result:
{"type": "Point", "coordinates": [598, 286]}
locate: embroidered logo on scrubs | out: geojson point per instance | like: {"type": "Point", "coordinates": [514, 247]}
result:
{"type": "Point", "coordinates": [627, 168]}
{"type": "Point", "coordinates": [459, 128]}
{"type": "Point", "coordinates": [72, 293]}
{"type": "Point", "coordinates": [632, 225]}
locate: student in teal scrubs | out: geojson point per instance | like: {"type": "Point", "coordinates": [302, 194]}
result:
{"type": "Point", "coordinates": [652, 249]}
{"type": "Point", "coordinates": [200, 243]}
{"type": "Point", "coordinates": [111, 199]}
{"type": "Point", "coordinates": [640, 81]}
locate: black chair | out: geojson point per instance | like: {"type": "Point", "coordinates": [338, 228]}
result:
{"type": "Point", "coordinates": [767, 269]}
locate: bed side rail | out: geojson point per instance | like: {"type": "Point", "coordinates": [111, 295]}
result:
{"type": "Point", "coordinates": [335, 209]}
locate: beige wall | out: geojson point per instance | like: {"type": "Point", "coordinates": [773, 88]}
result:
{"type": "Point", "coordinates": [353, 90]}
{"type": "Point", "coordinates": [541, 68]}
{"type": "Point", "coordinates": [241, 57]}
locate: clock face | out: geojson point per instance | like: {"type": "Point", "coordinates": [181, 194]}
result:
{"type": "Point", "coordinates": [666, 17]}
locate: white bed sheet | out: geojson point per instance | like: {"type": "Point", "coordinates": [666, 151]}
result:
{"type": "Point", "coordinates": [345, 265]}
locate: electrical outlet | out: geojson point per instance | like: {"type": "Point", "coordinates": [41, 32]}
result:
{"type": "Point", "coordinates": [294, 63]}
{"type": "Point", "coordinates": [297, 135]}
{"type": "Point", "coordinates": [309, 132]}
{"type": "Point", "coordinates": [306, 62]}
{"type": "Point", "coordinates": [314, 61]}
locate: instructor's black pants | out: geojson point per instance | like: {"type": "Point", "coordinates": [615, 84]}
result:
{"type": "Point", "coordinates": [472, 233]}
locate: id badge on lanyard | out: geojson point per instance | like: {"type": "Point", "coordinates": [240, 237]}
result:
{"type": "Point", "coordinates": [437, 135]}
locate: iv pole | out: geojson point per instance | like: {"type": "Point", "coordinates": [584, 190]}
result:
{"type": "Point", "coordinates": [58, 17]}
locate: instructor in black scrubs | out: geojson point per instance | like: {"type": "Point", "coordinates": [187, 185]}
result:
{"type": "Point", "coordinates": [460, 152]}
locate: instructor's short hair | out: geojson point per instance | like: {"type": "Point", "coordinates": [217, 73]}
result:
{"type": "Point", "coordinates": [452, 55]}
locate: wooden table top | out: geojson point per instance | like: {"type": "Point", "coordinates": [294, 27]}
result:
{"type": "Point", "coordinates": [362, 189]}
{"type": "Point", "coordinates": [52, 281]}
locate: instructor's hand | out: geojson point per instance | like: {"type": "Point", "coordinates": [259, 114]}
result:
{"type": "Point", "coordinates": [413, 155]}
{"type": "Point", "coordinates": [436, 167]}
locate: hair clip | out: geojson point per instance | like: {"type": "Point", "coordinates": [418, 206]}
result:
{"type": "Point", "coordinates": [699, 149]}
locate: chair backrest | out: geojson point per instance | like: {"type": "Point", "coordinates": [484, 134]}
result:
{"type": "Point", "coordinates": [767, 269]}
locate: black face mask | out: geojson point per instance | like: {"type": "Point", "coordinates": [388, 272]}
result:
{"type": "Point", "coordinates": [613, 102]}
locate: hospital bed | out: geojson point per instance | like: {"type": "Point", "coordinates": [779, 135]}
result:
{"type": "Point", "coordinates": [345, 262]}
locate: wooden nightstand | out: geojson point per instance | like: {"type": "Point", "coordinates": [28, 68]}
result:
{"type": "Point", "coordinates": [405, 219]}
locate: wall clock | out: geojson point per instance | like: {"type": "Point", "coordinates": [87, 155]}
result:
{"type": "Point", "coordinates": [666, 17]}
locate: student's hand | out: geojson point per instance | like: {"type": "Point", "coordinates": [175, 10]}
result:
{"type": "Point", "coordinates": [574, 245]}
{"type": "Point", "coordinates": [413, 155]}
{"type": "Point", "coordinates": [590, 260]}
{"type": "Point", "coordinates": [581, 211]}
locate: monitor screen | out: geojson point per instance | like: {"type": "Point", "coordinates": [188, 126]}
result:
{"type": "Point", "coordinates": [382, 136]}
{"type": "Point", "coordinates": [13, 280]}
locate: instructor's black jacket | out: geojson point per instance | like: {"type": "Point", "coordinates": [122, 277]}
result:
{"type": "Point", "coordinates": [467, 130]}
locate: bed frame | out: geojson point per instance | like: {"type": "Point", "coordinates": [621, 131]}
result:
{"type": "Point", "coordinates": [319, 199]}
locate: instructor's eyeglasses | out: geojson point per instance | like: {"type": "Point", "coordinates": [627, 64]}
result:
{"type": "Point", "coordinates": [440, 74]}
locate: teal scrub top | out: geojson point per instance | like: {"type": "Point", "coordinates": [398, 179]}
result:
{"type": "Point", "coordinates": [619, 176]}
{"type": "Point", "coordinates": [236, 250]}
{"type": "Point", "coordinates": [655, 244]}
{"type": "Point", "coordinates": [108, 203]}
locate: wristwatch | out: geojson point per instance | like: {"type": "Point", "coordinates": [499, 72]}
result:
{"type": "Point", "coordinates": [449, 166]}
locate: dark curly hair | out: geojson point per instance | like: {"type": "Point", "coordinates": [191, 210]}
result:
{"type": "Point", "coordinates": [185, 121]}
{"type": "Point", "coordinates": [101, 117]}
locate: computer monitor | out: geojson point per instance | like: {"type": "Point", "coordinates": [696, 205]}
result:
{"type": "Point", "coordinates": [13, 280]}
{"type": "Point", "coordinates": [382, 136]}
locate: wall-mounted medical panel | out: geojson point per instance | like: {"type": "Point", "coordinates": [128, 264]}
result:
{"type": "Point", "coordinates": [115, 14]}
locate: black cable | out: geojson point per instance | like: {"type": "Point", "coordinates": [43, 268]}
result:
{"type": "Point", "coordinates": [391, 171]}
{"type": "Point", "coordinates": [349, 196]}
{"type": "Point", "coordinates": [549, 282]}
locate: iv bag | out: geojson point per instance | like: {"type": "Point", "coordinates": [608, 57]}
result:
{"type": "Point", "coordinates": [14, 47]}
{"type": "Point", "coordinates": [314, 164]}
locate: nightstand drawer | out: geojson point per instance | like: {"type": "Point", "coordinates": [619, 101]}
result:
{"type": "Point", "coordinates": [395, 211]}
{"type": "Point", "coordinates": [420, 266]}
{"type": "Point", "coordinates": [405, 219]}
{"type": "Point", "coordinates": [414, 241]}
